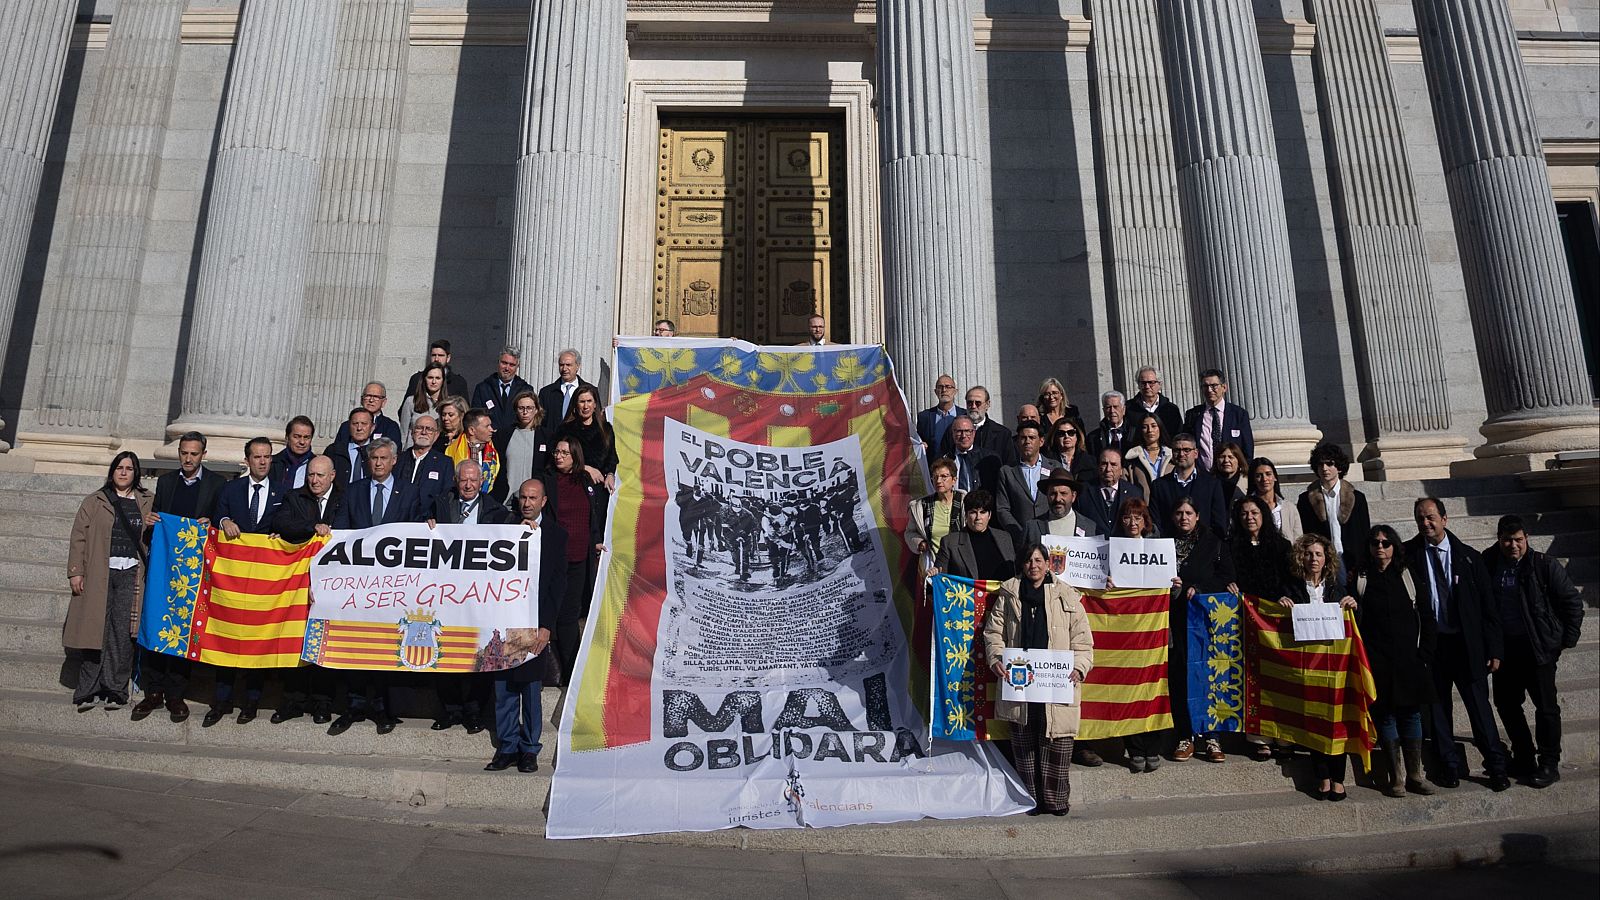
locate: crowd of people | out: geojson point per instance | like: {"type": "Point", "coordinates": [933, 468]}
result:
{"type": "Point", "coordinates": [1437, 616]}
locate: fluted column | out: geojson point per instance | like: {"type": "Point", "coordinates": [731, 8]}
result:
{"type": "Point", "coordinates": [258, 233]}
{"type": "Point", "coordinates": [1399, 353]}
{"type": "Point", "coordinates": [1523, 311]}
{"type": "Point", "coordinates": [1236, 234]}
{"type": "Point", "coordinates": [564, 253]}
{"type": "Point", "coordinates": [938, 224]}
{"type": "Point", "coordinates": [335, 349]}
{"type": "Point", "coordinates": [1144, 225]}
{"type": "Point", "coordinates": [33, 53]}
{"type": "Point", "coordinates": [87, 347]}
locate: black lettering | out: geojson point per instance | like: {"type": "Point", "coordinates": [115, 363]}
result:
{"type": "Point", "coordinates": [750, 755]}
{"type": "Point", "coordinates": [390, 551]}
{"type": "Point", "coordinates": [356, 556]}
{"type": "Point", "coordinates": [446, 555]}
{"type": "Point", "coordinates": [417, 553]}
{"type": "Point", "coordinates": [476, 557]}
{"type": "Point", "coordinates": [876, 691]}
{"type": "Point", "coordinates": [905, 744]}
{"type": "Point", "coordinates": [831, 747]}
{"type": "Point", "coordinates": [679, 708]}
{"type": "Point", "coordinates": [829, 713]}
{"type": "Point", "coordinates": [805, 744]}
{"type": "Point", "coordinates": [722, 753]}
{"type": "Point", "coordinates": [335, 555]}
{"type": "Point", "coordinates": [503, 557]}
{"type": "Point", "coordinates": [863, 751]}
{"type": "Point", "coordinates": [696, 758]}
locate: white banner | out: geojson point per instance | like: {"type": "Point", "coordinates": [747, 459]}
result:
{"type": "Point", "coordinates": [455, 598]}
{"type": "Point", "coordinates": [1317, 621]}
{"type": "Point", "coordinates": [1036, 676]}
{"type": "Point", "coordinates": [1143, 562]}
{"type": "Point", "coordinates": [1083, 562]}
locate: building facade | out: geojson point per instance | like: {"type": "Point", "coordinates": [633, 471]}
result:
{"type": "Point", "coordinates": [1377, 216]}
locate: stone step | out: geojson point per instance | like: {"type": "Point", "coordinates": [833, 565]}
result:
{"type": "Point", "coordinates": [49, 526]}
{"type": "Point", "coordinates": [1444, 487]}
{"type": "Point", "coordinates": [43, 604]}
{"type": "Point", "coordinates": [1533, 506]}
{"type": "Point", "coordinates": [29, 503]}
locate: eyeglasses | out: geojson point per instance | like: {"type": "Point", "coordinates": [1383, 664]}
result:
{"type": "Point", "coordinates": [1148, 383]}
{"type": "Point", "coordinates": [560, 452]}
{"type": "Point", "coordinates": [1212, 386]}
{"type": "Point", "coordinates": [964, 430]}
{"type": "Point", "coordinates": [1380, 542]}
{"type": "Point", "coordinates": [1184, 450]}
{"type": "Point", "coordinates": [374, 396]}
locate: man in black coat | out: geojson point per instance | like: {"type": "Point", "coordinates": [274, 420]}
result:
{"type": "Point", "coordinates": [1060, 519]}
{"type": "Point", "coordinates": [495, 393]}
{"type": "Point", "coordinates": [555, 397]}
{"type": "Point", "coordinates": [1216, 421]}
{"type": "Point", "coordinates": [1113, 430]}
{"type": "Point", "coordinates": [439, 355]}
{"type": "Point", "coordinates": [306, 512]}
{"type": "Point", "coordinates": [1541, 614]}
{"type": "Point", "coordinates": [1187, 479]}
{"type": "Point", "coordinates": [1470, 642]}
{"type": "Point", "coordinates": [190, 491]}
{"type": "Point", "coordinates": [518, 713]}
{"type": "Point", "coordinates": [349, 453]}
{"type": "Point", "coordinates": [934, 422]}
{"type": "Point", "coordinates": [373, 398]}
{"type": "Point", "coordinates": [975, 466]}
{"type": "Point", "coordinates": [1018, 498]}
{"type": "Point", "coordinates": [288, 470]}
{"type": "Point", "coordinates": [990, 436]}
{"type": "Point", "coordinates": [423, 465]}
{"type": "Point", "coordinates": [1101, 502]}
{"type": "Point", "coordinates": [1329, 502]}
{"type": "Point", "coordinates": [1149, 401]}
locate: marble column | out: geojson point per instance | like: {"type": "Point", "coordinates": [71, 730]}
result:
{"type": "Point", "coordinates": [92, 314]}
{"type": "Point", "coordinates": [1524, 314]}
{"type": "Point", "coordinates": [256, 252]}
{"type": "Point", "coordinates": [938, 223]}
{"type": "Point", "coordinates": [33, 54]}
{"type": "Point", "coordinates": [1399, 354]}
{"type": "Point", "coordinates": [336, 346]}
{"type": "Point", "coordinates": [1236, 234]}
{"type": "Point", "coordinates": [1144, 224]}
{"type": "Point", "coordinates": [564, 254]}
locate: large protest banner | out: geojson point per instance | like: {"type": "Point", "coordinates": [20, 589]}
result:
{"type": "Point", "coordinates": [239, 602]}
{"type": "Point", "coordinates": [747, 658]}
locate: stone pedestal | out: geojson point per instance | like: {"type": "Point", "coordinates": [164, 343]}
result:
{"type": "Point", "coordinates": [569, 186]}
{"type": "Point", "coordinates": [258, 233]}
{"type": "Point", "coordinates": [1524, 315]}
{"type": "Point", "coordinates": [1236, 233]}
{"type": "Point", "coordinates": [938, 223]}
{"type": "Point", "coordinates": [33, 54]}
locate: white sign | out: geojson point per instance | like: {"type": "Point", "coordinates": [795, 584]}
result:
{"type": "Point", "coordinates": [1143, 562]}
{"type": "Point", "coordinates": [1036, 676]}
{"type": "Point", "coordinates": [405, 596]}
{"type": "Point", "coordinates": [1083, 562]}
{"type": "Point", "coordinates": [1318, 621]}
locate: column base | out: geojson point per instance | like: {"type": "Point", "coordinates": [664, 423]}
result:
{"type": "Point", "coordinates": [57, 451]}
{"type": "Point", "coordinates": [1413, 457]}
{"type": "Point", "coordinates": [219, 435]}
{"type": "Point", "coordinates": [1528, 442]}
{"type": "Point", "coordinates": [1289, 446]}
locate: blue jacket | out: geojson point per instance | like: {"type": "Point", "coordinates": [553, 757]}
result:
{"type": "Point", "coordinates": [403, 506]}
{"type": "Point", "coordinates": [233, 502]}
{"type": "Point", "coordinates": [925, 426]}
{"type": "Point", "coordinates": [431, 475]}
{"type": "Point", "coordinates": [1235, 427]}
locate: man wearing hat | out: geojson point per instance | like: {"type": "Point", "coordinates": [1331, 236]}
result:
{"type": "Point", "coordinates": [1060, 491]}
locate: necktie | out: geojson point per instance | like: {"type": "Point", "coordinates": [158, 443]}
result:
{"type": "Point", "coordinates": [377, 503]}
{"type": "Point", "coordinates": [566, 398]}
{"type": "Point", "coordinates": [322, 507]}
{"type": "Point", "coordinates": [1441, 580]}
{"type": "Point", "coordinates": [466, 509]}
{"type": "Point", "coordinates": [1211, 439]}
{"type": "Point", "coordinates": [1111, 496]}
{"type": "Point", "coordinates": [255, 505]}
{"type": "Point", "coordinates": [966, 472]}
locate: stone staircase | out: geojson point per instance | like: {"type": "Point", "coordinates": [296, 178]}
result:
{"type": "Point", "coordinates": [416, 772]}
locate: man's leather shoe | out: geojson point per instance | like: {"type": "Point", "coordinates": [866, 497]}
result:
{"type": "Point", "coordinates": [177, 710]}
{"type": "Point", "coordinates": [501, 762]}
{"type": "Point", "coordinates": [445, 722]}
{"type": "Point", "coordinates": [1083, 756]}
{"type": "Point", "coordinates": [247, 714]}
{"type": "Point", "coordinates": [215, 715]}
{"type": "Point", "coordinates": [321, 715]}
{"type": "Point", "coordinates": [385, 723]}
{"type": "Point", "coordinates": [1447, 781]}
{"type": "Point", "coordinates": [341, 724]}
{"type": "Point", "coordinates": [528, 762]}
{"type": "Point", "coordinates": [1498, 783]}
{"type": "Point", "coordinates": [145, 707]}
{"type": "Point", "coordinates": [473, 726]}
{"type": "Point", "coordinates": [285, 713]}
{"type": "Point", "coordinates": [1544, 776]}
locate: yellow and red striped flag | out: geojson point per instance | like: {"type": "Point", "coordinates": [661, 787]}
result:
{"type": "Point", "coordinates": [1126, 692]}
{"type": "Point", "coordinates": [252, 603]}
{"type": "Point", "coordinates": [1316, 694]}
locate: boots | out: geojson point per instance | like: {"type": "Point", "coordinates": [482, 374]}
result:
{"type": "Point", "coordinates": [1413, 756]}
{"type": "Point", "coordinates": [1396, 785]}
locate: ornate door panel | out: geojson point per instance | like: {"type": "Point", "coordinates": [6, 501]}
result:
{"type": "Point", "coordinates": [748, 227]}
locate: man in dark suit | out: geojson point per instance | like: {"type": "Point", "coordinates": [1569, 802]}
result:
{"type": "Point", "coordinates": [975, 467]}
{"type": "Point", "coordinates": [1018, 499]}
{"type": "Point", "coordinates": [495, 393]}
{"type": "Point", "coordinates": [461, 696]}
{"type": "Point", "coordinates": [1059, 519]}
{"type": "Point", "coordinates": [373, 398]}
{"type": "Point", "coordinates": [308, 511]}
{"type": "Point", "coordinates": [349, 455]}
{"type": "Point", "coordinates": [288, 469]}
{"type": "Point", "coordinates": [1469, 644]}
{"type": "Point", "coordinates": [439, 355]}
{"type": "Point", "coordinates": [518, 713]}
{"type": "Point", "coordinates": [423, 465]}
{"type": "Point", "coordinates": [378, 499]}
{"type": "Point", "coordinates": [1101, 502]}
{"type": "Point", "coordinates": [556, 397]}
{"type": "Point", "coordinates": [1149, 401]}
{"type": "Point", "coordinates": [191, 492]}
{"type": "Point", "coordinates": [1113, 430]}
{"type": "Point", "coordinates": [244, 506]}
{"type": "Point", "coordinates": [1216, 421]}
{"type": "Point", "coordinates": [991, 435]}
{"type": "Point", "coordinates": [1186, 479]}
{"type": "Point", "coordinates": [934, 422]}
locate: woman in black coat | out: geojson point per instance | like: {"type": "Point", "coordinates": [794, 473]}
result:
{"type": "Point", "coordinates": [579, 503]}
{"type": "Point", "coordinates": [1205, 566]}
{"type": "Point", "coordinates": [1399, 633]}
{"type": "Point", "coordinates": [1261, 570]}
{"type": "Point", "coordinates": [586, 423]}
{"type": "Point", "coordinates": [979, 552]}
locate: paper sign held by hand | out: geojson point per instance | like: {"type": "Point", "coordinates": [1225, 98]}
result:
{"type": "Point", "coordinates": [1036, 676]}
{"type": "Point", "coordinates": [1318, 621]}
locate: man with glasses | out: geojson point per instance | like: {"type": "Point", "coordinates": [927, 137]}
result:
{"type": "Point", "coordinates": [373, 397]}
{"type": "Point", "coordinates": [1216, 422]}
{"type": "Point", "coordinates": [1186, 479]}
{"type": "Point", "coordinates": [975, 466]}
{"type": "Point", "coordinates": [1101, 502]}
{"type": "Point", "coordinates": [1149, 401]}
{"type": "Point", "coordinates": [495, 392]}
{"type": "Point", "coordinates": [991, 435]}
{"type": "Point", "coordinates": [933, 423]}
{"type": "Point", "coordinates": [423, 465]}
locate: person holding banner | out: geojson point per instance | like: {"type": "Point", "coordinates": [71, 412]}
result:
{"type": "Point", "coordinates": [308, 511]}
{"type": "Point", "coordinates": [979, 552]}
{"type": "Point", "coordinates": [105, 569]}
{"type": "Point", "coordinates": [1204, 566]}
{"type": "Point", "coordinates": [1260, 570]}
{"type": "Point", "coordinates": [937, 514]}
{"type": "Point", "coordinates": [1315, 567]}
{"type": "Point", "coordinates": [245, 506]}
{"type": "Point", "coordinates": [1399, 634]}
{"type": "Point", "coordinates": [1133, 521]}
{"type": "Point", "coordinates": [1037, 612]}
{"type": "Point", "coordinates": [574, 499]}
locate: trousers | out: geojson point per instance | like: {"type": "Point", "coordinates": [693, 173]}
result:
{"type": "Point", "coordinates": [104, 673]}
{"type": "Point", "coordinates": [1519, 678]}
{"type": "Point", "coordinates": [1449, 668]}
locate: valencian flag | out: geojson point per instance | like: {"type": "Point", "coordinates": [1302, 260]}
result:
{"type": "Point", "coordinates": [964, 687]}
{"type": "Point", "coordinates": [1126, 692]}
{"type": "Point", "coordinates": [1247, 673]}
{"type": "Point", "coordinates": [239, 603]}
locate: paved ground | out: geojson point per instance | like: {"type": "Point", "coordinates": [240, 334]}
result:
{"type": "Point", "coordinates": [75, 831]}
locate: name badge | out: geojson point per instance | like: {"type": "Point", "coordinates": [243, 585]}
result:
{"type": "Point", "coordinates": [489, 404]}
{"type": "Point", "coordinates": [1235, 431]}
{"type": "Point", "coordinates": [434, 475]}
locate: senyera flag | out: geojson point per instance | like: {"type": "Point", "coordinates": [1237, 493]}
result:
{"type": "Point", "coordinates": [747, 659]}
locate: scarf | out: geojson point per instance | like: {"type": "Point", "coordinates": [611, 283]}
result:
{"type": "Point", "coordinates": [1347, 501]}
{"type": "Point", "coordinates": [460, 450]}
{"type": "Point", "coordinates": [1034, 630]}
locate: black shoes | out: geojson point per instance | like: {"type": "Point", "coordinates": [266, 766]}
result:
{"type": "Point", "coordinates": [145, 707]}
{"type": "Point", "coordinates": [321, 715]}
{"type": "Point", "coordinates": [247, 714]}
{"type": "Point", "coordinates": [385, 722]}
{"type": "Point", "coordinates": [177, 710]}
{"type": "Point", "coordinates": [1544, 776]}
{"type": "Point", "coordinates": [342, 724]}
{"type": "Point", "coordinates": [285, 713]}
{"type": "Point", "coordinates": [473, 726]}
{"type": "Point", "coordinates": [501, 762]}
{"type": "Point", "coordinates": [1084, 756]}
{"type": "Point", "coordinates": [1449, 780]}
{"type": "Point", "coordinates": [445, 722]}
{"type": "Point", "coordinates": [1498, 783]}
{"type": "Point", "coordinates": [214, 715]}
{"type": "Point", "coordinates": [528, 762]}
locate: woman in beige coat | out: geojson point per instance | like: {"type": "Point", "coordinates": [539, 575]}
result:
{"type": "Point", "coordinates": [1036, 612]}
{"type": "Point", "coordinates": [105, 569]}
